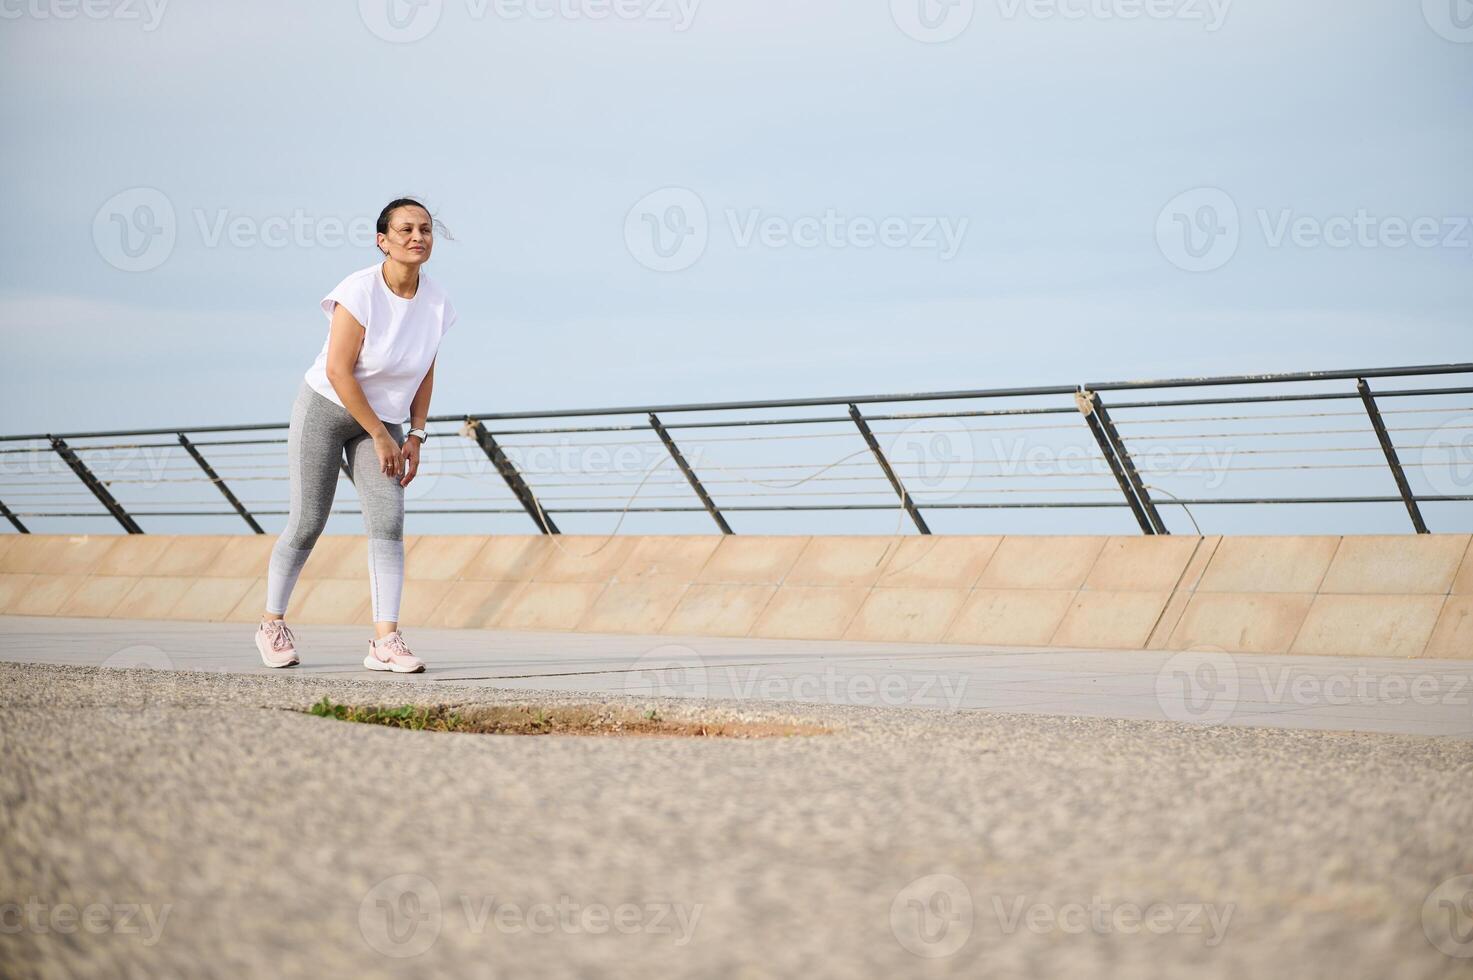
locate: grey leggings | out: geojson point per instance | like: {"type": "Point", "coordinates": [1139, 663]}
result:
{"type": "Point", "coordinates": [321, 433]}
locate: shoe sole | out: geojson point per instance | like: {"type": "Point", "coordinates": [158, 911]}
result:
{"type": "Point", "coordinates": [373, 664]}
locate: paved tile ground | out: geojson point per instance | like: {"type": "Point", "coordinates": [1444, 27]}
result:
{"type": "Point", "coordinates": [1422, 697]}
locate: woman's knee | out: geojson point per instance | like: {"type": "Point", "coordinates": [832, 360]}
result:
{"type": "Point", "coordinates": [302, 533]}
{"type": "Point", "coordinates": [383, 506]}
{"type": "Point", "coordinates": [384, 524]}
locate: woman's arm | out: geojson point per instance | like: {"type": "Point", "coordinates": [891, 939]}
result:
{"type": "Point", "coordinates": [419, 410]}
{"type": "Point", "coordinates": [344, 342]}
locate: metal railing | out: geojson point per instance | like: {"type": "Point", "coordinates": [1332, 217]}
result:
{"type": "Point", "coordinates": [1410, 429]}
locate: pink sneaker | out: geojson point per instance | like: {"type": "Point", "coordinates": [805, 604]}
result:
{"type": "Point", "coordinates": [392, 653]}
{"type": "Point", "coordinates": [276, 644]}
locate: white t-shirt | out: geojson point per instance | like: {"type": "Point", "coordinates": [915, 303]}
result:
{"type": "Point", "coordinates": [400, 339]}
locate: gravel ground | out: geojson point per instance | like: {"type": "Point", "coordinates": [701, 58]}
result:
{"type": "Point", "coordinates": [183, 824]}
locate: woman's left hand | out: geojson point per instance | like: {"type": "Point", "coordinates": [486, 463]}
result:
{"type": "Point", "coordinates": [411, 460]}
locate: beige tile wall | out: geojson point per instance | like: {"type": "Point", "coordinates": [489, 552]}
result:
{"type": "Point", "coordinates": [1399, 595]}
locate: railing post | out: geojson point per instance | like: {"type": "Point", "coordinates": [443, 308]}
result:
{"type": "Point", "coordinates": [508, 471]}
{"type": "Point", "coordinates": [905, 501]}
{"type": "Point", "coordinates": [98, 490]}
{"type": "Point", "coordinates": [1128, 465]}
{"type": "Point", "coordinates": [5, 513]}
{"type": "Point", "coordinates": [1088, 404]}
{"type": "Point", "coordinates": [1392, 460]}
{"type": "Point", "coordinates": [189, 447]}
{"type": "Point", "coordinates": [690, 476]}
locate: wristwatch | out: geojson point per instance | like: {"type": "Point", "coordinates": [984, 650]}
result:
{"type": "Point", "coordinates": [423, 435]}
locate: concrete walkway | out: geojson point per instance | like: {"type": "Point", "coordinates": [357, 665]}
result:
{"type": "Point", "coordinates": [200, 825]}
{"type": "Point", "coordinates": [1416, 697]}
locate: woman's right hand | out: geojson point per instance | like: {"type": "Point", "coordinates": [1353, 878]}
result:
{"type": "Point", "coordinates": [390, 456]}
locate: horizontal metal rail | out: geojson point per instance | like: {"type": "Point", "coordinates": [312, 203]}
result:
{"type": "Point", "coordinates": [1065, 390]}
{"type": "Point", "coordinates": [1002, 505]}
{"type": "Point", "coordinates": [1128, 444]}
{"type": "Point", "coordinates": [722, 423]}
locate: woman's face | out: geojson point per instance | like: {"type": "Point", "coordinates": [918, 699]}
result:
{"type": "Point", "coordinates": [410, 237]}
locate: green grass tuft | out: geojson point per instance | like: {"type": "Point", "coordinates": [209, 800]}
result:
{"type": "Point", "coordinates": [415, 718]}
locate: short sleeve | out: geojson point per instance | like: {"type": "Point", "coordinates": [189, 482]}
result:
{"type": "Point", "coordinates": [354, 297]}
{"type": "Point", "coordinates": [448, 318]}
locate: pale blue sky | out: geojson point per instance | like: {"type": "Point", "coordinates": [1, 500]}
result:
{"type": "Point", "coordinates": [1057, 140]}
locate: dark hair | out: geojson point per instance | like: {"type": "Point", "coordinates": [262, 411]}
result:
{"type": "Point", "coordinates": [407, 202]}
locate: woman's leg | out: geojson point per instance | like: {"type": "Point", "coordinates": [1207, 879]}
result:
{"type": "Point", "coordinates": [383, 516]}
{"type": "Point", "coordinates": [314, 446]}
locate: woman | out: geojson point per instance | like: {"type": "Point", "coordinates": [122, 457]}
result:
{"type": "Point", "coordinates": [376, 368]}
